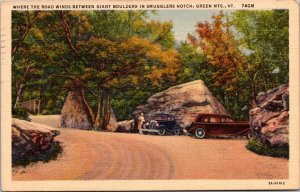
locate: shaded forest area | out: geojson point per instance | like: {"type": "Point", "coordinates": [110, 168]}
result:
{"type": "Point", "coordinates": [115, 60]}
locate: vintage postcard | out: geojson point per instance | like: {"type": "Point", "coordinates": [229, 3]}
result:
{"type": "Point", "coordinates": [149, 95]}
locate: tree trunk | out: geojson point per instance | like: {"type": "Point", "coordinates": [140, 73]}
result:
{"type": "Point", "coordinates": [76, 112]}
{"type": "Point", "coordinates": [106, 114]}
{"type": "Point", "coordinates": [253, 95]}
{"type": "Point", "coordinates": [97, 123]}
{"type": "Point", "coordinates": [90, 110]}
{"type": "Point", "coordinates": [22, 87]}
{"type": "Point", "coordinates": [105, 119]}
{"type": "Point", "coordinates": [19, 95]}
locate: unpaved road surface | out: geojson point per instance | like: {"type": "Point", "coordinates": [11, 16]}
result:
{"type": "Point", "coordinates": [90, 155]}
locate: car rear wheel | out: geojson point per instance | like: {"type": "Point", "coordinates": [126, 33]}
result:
{"type": "Point", "coordinates": [176, 131]}
{"type": "Point", "coordinates": [161, 131]}
{"type": "Point", "coordinates": [200, 133]}
{"type": "Point", "coordinates": [250, 135]}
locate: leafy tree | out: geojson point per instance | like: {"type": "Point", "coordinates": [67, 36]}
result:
{"type": "Point", "coordinates": [265, 36]}
{"type": "Point", "coordinates": [227, 64]}
{"type": "Point", "coordinates": [217, 42]}
{"type": "Point", "coordinates": [21, 26]}
{"type": "Point", "coordinates": [194, 65]}
{"type": "Point", "coordinates": [243, 56]}
{"type": "Point", "coordinates": [84, 56]}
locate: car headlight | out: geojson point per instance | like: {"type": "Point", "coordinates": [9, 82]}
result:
{"type": "Point", "coordinates": [147, 123]}
{"type": "Point", "coordinates": [184, 130]}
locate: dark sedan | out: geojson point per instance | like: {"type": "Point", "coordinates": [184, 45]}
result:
{"type": "Point", "coordinates": [162, 124]}
{"type": "Point", "coordinates": [217, 124]}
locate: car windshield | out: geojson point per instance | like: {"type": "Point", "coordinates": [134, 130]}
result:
{"type": "Point", "coordinates": [160, 117]}
{"type": "Point", "coordinates": [163, 118]}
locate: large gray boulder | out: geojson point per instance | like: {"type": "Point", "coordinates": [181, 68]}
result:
{"type": "Point", "coordinates": [271, 116]}
{"type": "Point", "coordinates": [184, 101]}
{"type": "Point", "coordinates": [75, 112]}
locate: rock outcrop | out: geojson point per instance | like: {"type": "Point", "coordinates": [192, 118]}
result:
{"type": "Point", "coordinates": [270, 119]}
{"type": "Point", "coordinates": [75, 112]}
{"type": "Point", "coordinates": [112, 124]}
{"type": "Point", "coordinates": [184, 101]}
{"type": "Point", "coordinates": [31, 140]}
{"type": "Point", "coordinates": [125, 126]}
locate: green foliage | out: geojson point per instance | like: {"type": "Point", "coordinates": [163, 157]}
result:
{"type": "Point", "coordinates": [126, 99]}
{"type": "Point", "coordinates": [194, 65]}
{"type": "Point", "coordinates": [104, 51]}
{"type": "Point", "coordinates": [256, 146]}
{"type": "Point", "coordinates": [133, 57]}
{"type": "Point", "coordinates": [265, 37]}
{"type": "Point", "coordinates": [20, 113]}
{"type": "Point", "coordinates": [244, 53]}
{"type": "Point", "coordinates": [50, 154]}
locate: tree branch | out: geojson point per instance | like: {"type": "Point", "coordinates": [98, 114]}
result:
{"type": "Point", "coordinates": [24, 34]}
{"type": "Point", "coordinates": [68, 33]}
{"type": "Point", "coordinates": [78, 81]}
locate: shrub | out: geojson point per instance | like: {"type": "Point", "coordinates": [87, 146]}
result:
{"type": "Point", "coordinates": [20, 113]}
{"type": "Point", "coordinates": [256, 146]}
{"type": "Point", "coordinates": [50, 154]}
{"type": "Point", "coordinates": [51, 111]}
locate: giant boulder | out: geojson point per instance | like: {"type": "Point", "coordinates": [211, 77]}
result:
{"type": "Point", "coordinates": [184, 101]}
{"type": "Point", "coordinates": [75, 112]}
{"type": "Point", "coordinates": [271, 116]}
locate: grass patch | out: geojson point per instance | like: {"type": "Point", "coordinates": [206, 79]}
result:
{"type": "Point", "coordinates": [256, 146]}
{"type": "Point", "coordinates": [51, 154]}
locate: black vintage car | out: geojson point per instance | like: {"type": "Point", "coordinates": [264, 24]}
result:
{"type": "Point", "coordinates": [162, 124]}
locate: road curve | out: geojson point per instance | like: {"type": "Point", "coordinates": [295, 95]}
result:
{"type": "Point", "coordinates": [90, 155]}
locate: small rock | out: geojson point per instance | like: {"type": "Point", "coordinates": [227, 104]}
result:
{"type": "Point", "coordinates": [125, 126]}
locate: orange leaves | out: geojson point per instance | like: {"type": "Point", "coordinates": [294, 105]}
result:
{"type": "Point", "coordinates": [134, 58]}
{"type": "Point", "coordinates": [160, 62]}
{"type": "Point", "coordinates": [220, 47]}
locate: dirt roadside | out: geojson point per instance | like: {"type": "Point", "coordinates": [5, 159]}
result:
{"type": "Point", "coordinates": [92, 155]}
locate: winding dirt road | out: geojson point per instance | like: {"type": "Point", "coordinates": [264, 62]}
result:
{"type": "Point", "coordinates": [90, 155]}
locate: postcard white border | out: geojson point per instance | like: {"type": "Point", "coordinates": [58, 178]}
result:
{"type": "Point", "coordinates": [129, 185]}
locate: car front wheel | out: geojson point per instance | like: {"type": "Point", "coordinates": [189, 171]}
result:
{"type": "Point", "coordinates": [200, 133]}
{"type": "Point", "coordinates": [161, 131]}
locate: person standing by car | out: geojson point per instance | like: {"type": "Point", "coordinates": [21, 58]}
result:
{"type": "Point", "coordinates": [141, 120]}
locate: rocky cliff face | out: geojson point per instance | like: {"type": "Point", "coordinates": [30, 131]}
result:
{"type": "Point", "coordinates": [31, 141]}
{"type": "Point", "coordinates": [271, 117]}
{"type": "Point", "coordinates": [183, 101]}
